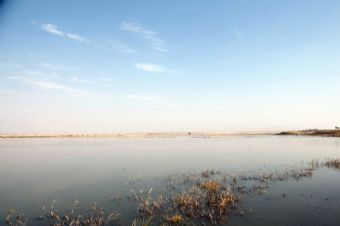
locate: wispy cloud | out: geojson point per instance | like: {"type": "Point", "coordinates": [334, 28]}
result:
{"type": "Point", "coordinates": [105, 79]}
{"type": "Point", "coordinates": [150, 67]}
{"type": "Point", "coordinates": [117, 46]}
{"type": "Point", "coordinates": [157, 43]}
{"type": "Point", "coordinates": [75, 37]}
{"type": "Point", "coordinates": [48, 85]}
{"type": "Point", "coordinates": [38, 74]}
{"type": "Point", "coordinates": [53, 67]}
{"type": "Point", "coordinates": [10, 65]}
{"type": "Point", "coordinates": [76, 79]}
{"type": "Point", "coordinates": [51, 28]}
{"type": "Point", "coordinates": [143, 97]}
{"type": "Point", "coordinates": [121, 47]}
{"type": "Point", "coordinates": [154, 68]}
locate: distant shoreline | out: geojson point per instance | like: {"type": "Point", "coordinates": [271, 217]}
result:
{"type": "Point", "coordinates": [142, 135]}
{"type": "Point", "coordinates": [313, 132]}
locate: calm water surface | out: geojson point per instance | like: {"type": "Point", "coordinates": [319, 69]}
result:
{"type": "Point", "coordinates": [35, 171]}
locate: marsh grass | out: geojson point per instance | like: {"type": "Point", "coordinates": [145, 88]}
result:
{"type": "Point", "coordinates": [206, 198]}
{"type": "Point", "coordinates": [333, 163]}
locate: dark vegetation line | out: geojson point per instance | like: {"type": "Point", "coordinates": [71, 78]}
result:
{"type": "Point", "coordinates": [313, 132]}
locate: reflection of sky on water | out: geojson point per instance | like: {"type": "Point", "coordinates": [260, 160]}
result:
{"type": "Point", "coordinates": [35, 171]}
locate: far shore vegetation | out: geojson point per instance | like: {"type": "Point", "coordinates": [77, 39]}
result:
{"type": "Point", "coordinates": [314, 132]}
{"type": "Point", "coordinates": [309, 132]}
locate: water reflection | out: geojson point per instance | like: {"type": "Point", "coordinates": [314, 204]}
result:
{"type": "Point", "coordinates": [36, 171]}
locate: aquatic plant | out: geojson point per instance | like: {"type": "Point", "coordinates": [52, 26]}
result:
{"type": "Point", "coordinates": [14, 218]}
{"type": "Point", "coordinates": [174, 219]}
{"type": "Point", "coordinates": [205, 198]}
{"type": "Point", "coordinates": [211, 186]}
{"type": "Point", "coordinates": [142, 221]}
{"type": "Point", "coordinates": [333, 163]}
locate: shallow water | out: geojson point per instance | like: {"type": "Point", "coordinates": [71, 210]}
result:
{"type": "Point", "coordinates": [34, 172]}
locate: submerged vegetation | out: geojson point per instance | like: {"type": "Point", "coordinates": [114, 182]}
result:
{"type": "Point", "coordinates": [206, 198]}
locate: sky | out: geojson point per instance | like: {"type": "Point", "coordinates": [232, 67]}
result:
{"type": "Point", "coordinates": [86, 66]}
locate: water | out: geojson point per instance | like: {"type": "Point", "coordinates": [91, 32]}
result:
{"type": "Point", "coordinates": [34, 172]}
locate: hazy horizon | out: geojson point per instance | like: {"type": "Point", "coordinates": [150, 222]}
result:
{"type": "Point", "coordinates": [175, 66]}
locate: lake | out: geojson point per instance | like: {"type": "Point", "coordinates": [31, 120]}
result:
{"type": "Point", "coordinates": [34, 172]}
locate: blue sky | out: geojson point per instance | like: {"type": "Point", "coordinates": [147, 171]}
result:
{"type": "Point", "coordinates": [132, 66]}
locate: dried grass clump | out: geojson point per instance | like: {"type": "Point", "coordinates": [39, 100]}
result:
{"type": "Point", "coordinates": [142, 221]}
{"type": "Point", "coordinates": [224, 200]}
{"type": "Point", "coordinates": [333, 163]}
{"type": "Point", "coordinates": [211, 186]}
{"type": "Point", "coordinates": [219, 204]}
{"type": "Point", "coordinates": [188, 204]}
{"type": "Point", "coordinates": [15, 219]}
{"type": "Point", "coordinates": [303, 173]}
{"type": "Point", "coordinates": [52, 217]}
{"type": "Point", "coordinates": [174, 219]}
{"type": "Point", "coordinates": [208, 173]}
{"type": "Point", "coordinates": [205, 173]}
{"type": "Point", "coordinates": [206, 203]}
